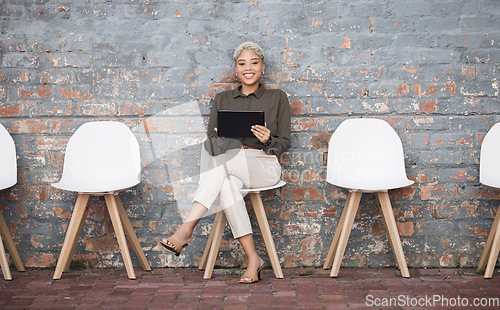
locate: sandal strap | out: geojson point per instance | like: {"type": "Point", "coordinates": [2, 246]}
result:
{"type": "Point", "coordinates": [177, 244]}
{"type": "Point", "coordinates": [250, 274]}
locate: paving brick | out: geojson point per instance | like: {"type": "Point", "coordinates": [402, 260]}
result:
{"type": "Point", "coordinates": [61, 293]}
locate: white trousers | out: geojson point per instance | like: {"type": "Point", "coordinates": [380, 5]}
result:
{"type": "Point", "coordinates": [226, 174]}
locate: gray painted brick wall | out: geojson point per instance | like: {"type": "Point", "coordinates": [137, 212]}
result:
{"type": "Point", "coordinates": [430, 68]}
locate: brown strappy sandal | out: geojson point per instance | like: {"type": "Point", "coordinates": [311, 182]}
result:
{"type": "Point", "coordinates": [177, 248]}
{"type": "Point", "coordinates": [254, 275]}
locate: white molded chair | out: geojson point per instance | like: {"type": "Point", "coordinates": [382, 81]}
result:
{"type": "Point", "coordinates": [102, 159]}
{"type": "Point", "coordinates": [8, 178]}
{"type": "Point", "coordinates": [489, 175]}
{"type": "Point", "coordinates": [365, 156]}
{"type": "Point", "coordinates": [215, 237]}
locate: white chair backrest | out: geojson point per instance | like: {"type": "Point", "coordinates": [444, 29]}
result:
{"type": "Point", "coordinates": [489, 162]}
{"type": "Point", "coordinates": [366, 154]}
{"type": "Point", "coordinates": [101, 157]}
{"type": "Point", "coordinates": [8, 163]}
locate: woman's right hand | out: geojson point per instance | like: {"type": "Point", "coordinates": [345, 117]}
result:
{"type": "Point", "coordinates": [262, 133]}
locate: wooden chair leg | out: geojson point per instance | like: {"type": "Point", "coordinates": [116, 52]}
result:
{"type": "Point", "coordinates": [218, 226]}
{"type": "Point", "coordinates": [129, 231]}
{"type": "Point", "coordinates": [79, 230]}
{"type": "Point", "coordinates": [392, 231]}
{"type": "Point", "coordinates": [120, 234]}
{"type": "Point", "coordinates": [9, 242]}
{"type": "Point", "coordinates": [204, 257]}
{"type": "Point", "coordinates": [350, 208]}
{"type": "Point", "coordinates": [260, 214]}
{"type": "Point", "coordinates": [4, 264]}
{"type": "Point", "coordinates": [489, 242]}
{"type": "Point", "coordinates": [335, 241]}
{"type": "Point", "coordinates": [76, 222]}
{"type": "Point", "coordinates": [494, 251]}
{"type": "Point", "coordinates": [382, 214]}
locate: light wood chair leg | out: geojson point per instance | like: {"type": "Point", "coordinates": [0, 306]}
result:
{"type": "Point", "coordinates": [489, 242]}
{"type": "Point", "coordinates": [260, 214]}
{"type": "Point", "coordinates": [79, 230]}
{"type": "Point", "coordinates": [71, 234]}
{"type": "Point", "coordinates": [204, 257]}
{"type": "Point", "coordinates": [120, 235]}
{"type": "Point", "coordinates": [218, 226]}
{"type": "Point", "coordinates": [335, 241]}
{"type": "Point", "coordinates": [392, 231]}
{"type": "Point", "coordinates": [495, 249]}
{"type": "Point", "coordinates": [382, 214]}
{"type": "Point", "coordinates": [129, 230]}
{"type": "Point", "coordinates": [11, 246]}
{"type": "Point", "coordinates": [351, 208]}
{"type": "Point", "coordinates": [4, 264]}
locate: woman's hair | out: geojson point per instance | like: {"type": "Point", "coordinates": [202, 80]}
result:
{"type": "Point", "coordinates": [249, 46]}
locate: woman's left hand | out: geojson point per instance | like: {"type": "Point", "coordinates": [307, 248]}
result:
{"type": "Point", "coordinates": [261, 132]}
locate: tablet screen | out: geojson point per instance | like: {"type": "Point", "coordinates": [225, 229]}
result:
{"type": "Point", "coordinates": [237, 124]}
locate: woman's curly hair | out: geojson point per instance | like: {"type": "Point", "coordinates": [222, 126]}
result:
{"type": "Point", "coordinates": [249, 46]}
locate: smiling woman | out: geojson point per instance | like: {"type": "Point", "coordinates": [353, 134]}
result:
{"type": "Point", "coordinates": [249, 69]}
{"type": "Point", "coordinates": [241, 162]}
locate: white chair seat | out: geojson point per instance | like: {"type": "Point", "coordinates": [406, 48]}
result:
{"type": "Point", "coordinates": [281, 183]}
{"type": "Point", "coordinates": [98, 190]}
{"type": "Point", "coordinates": [373, 189]}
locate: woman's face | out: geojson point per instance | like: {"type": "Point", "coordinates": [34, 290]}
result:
{"type": "Point", "coordinates": [249, 67]}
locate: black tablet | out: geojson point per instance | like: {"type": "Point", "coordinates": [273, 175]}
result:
{"type": "Point", "coordinates": [237, 124]}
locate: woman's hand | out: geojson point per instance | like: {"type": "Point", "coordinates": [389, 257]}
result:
{"type": "Point", "coordinates": [261, 133]}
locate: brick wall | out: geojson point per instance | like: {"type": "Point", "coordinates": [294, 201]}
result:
{"type": "Point", "coordinates": [430, 68]}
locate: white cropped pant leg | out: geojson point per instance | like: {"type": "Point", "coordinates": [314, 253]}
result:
{"type": "Point", "coordinates": [227, 174]}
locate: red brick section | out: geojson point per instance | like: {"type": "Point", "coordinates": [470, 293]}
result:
{"type": "Point", "coordinates": [302, 288]}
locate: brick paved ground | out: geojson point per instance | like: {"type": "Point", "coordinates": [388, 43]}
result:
{"type": "Point", "coordinates": [305, 288]}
